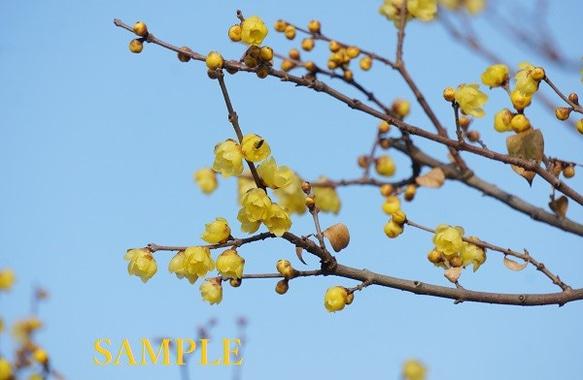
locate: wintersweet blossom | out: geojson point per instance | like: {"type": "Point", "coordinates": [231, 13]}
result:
{"type": "Point", "coordinates": [192, 263]}
{"type": "Point", "coordinates": [211, 291]}
{"type": "Point", "coordinates": [471, 99]}
{"type": "Point", "coordinates": [495, 75]}
{"type": "Point", "coordinates": [246, 224]}
{"type": "Point", "coordinates": [472, 254]}
{"type": "Point", "coordinates": [256, 204]}
{"type": "Point", "coordinates": [228, 158]}
{"type": "Point", "coordinates": [525, 82]}
{"type": "Point", "coordinates": [277, 220]}
{"type": "Point", "coordinates": [448, 239]}
{"type": "Point", "coordinates": [327, 198]}
{"type": "Point", "coordinates": [141, 263]}
{"type": "Point", "coordinates": [230, 264]}
{"type": "Point", "coordinates": [217, 231]}
{"type": "Point", "coordinates": [291, 196]}
{"type": "Point", "coordinates": [335, 298]}
{"type": "Point", "coordinates": [414, 370]}
{"type": "Point", "coordinates": [6, 279]}
{"type": "Point", "coordinates": [274, 176]}
{"type": "Point", "coordinates": [253, 30]}
{"type": "Point", "coordinates": [254, 148]}
{"type": "Point", "coordinates": [206, 180]}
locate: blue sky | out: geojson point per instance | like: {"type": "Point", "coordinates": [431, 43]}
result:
{"type": "Point", "coordinates": [98, 150]}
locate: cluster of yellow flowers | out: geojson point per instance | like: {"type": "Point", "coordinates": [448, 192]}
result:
{"type": "Point", "coordinates": [452, 251]}
{"type": "Point", "coordinates": [424, 10]}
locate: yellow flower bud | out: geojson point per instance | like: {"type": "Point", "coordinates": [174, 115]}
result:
{"type": "Point", "coordinates": [136, 46]}
{"type": "Point", "coordinates": [520, 123]}
{"type": "Point", "coordinates": [384, 165]}
{"type": "Point", "coordinates": [6, 279]}
{"type": "Point", "coordinates": [579, 125]}
{"type": "Point", "coordinates": [235, 33]}
{"type": "Point", "coordinates": [5, 369]}
{"type": "Point", "coordinates": [520, 100]}
{"type": "Point", "coordinates": [391, 205]}
{"type": "Point", "coordinates": [365, 63]}
{"type": "Point", "coordinates": [473, 136]}
{"type": "Point", "coordinates": [290, 32]}
{"type": "Point", "coordinates": [280, 25]}
{"type": "Point", "coordinates": [435, 257]}
{"type": "Point", "coordinates": [538, 74]}
{"type": "Point", "coordinates": [562, 113]}
{"type": "Point", "coordinates": [235, 282]}
{"type": "Point", "coordinates": [266, 54]}
{"type": "Point", "coordinates": [399, 217]}
{"type": "Point", "coordinates": [413, 370]}
{"type": "Point", "coordinates": [525, 82]}
{"type": "Point", "coordinates": [294, 54]}
{"type": "Point", "coordinates": [569, 171]}
{"type": "Point", "coordinates": [352, 51]}
{"type": "Point", "coordinates": [574, 98]}
{"type": "Point", "coordinates": [334, 46]}
{"type": "Point", "coordinates": [214, 60]}
{"type": "Point", "coordinates": [314, 26]}
{"type": "Point", "coordinates": [287, 65]}
{"type": "Point", "coordinates": [184, 54]}
{"type": "Point", "coordinates": [392, 229]}
{"type": "Point", "coordinates": [282, 286]}
{"type": "Point", "coordinates": [495, 76]}
{"type": "Point", "coordinates": [217, 231]}
{"type": "Point", "coordinates": [253, 30]}
{"type": "Point", "coordinates": [140, 29]}
{"type": "Point", "coordinates": [40, 356]}
{"type": "Point", "coordinates": [386, 189]}
{"type": "Point", "coordinates": [230, 264]}
{"type": "Point", "coordinates": [401, 107]}
{"type": "Point", "coordinates": [502, 120]}
{"type": "Point", "coordinates": [464, 122]}
{"type": "Point", "coordinates": [384, 126]}
{"type": "Point", "coordinates": [308, 44]}
{"type": "Point", "coordinates": [286, 269]}
{"type": "Point", "coordinates": [410, 192]}
{"type": "Point", "coordinates": [211, 291]}
{"type": "Point", "coordinates": [449, 94]}
{"type": "Point", "coordinates": [336, 298]}
{"type": "Point", "coordinates": [348, 75]}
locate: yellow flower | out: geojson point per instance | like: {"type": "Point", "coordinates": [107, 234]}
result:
{"type": "Point", "coordinates": [326, 198]}
{"type": "Point", "coordinates": [448, 239]}
{"type": "Point", "coordinates": [192, 263]}
{"type": "Point", "coordinates": [23, 329]}
{"type": "Point", "coordinates": [502, 120]}
{"type": "Point", "coordinates": [247, 225]}
{"type": "Point", "coordinates": [5, 369]}
{"type": "Point", "coordinates": [277, 220]}
{"type": "Point", "coordinates": [253, 30]}
{"type": "Point", "coordinates": [228, 158]}
{"type": "Point", "coordinates": [336, 298]}
{"type": "Point", "coordinates": [141, 263]}
{"type": "Point", "coordinates": [206, 180]}
{"type": "Point", "coordinates": [217, 231]}
{"type": "Point", "coordinates": [384, 165]}
{"type": "Point", "coordinates": [391, 205]}
{"type": "Point", "coordinates": [291, 197]}
{"type": "Point", "coordinates": [6, 279]}
{"type": "Point", "coordinates": [414, 370]}
{"type": "Point", "coordinates": [424, 10]}
{"type": "Point", "coordinates": [274, 176]}
{"type": "Point", "coordinates": [211, 290]}
{"type": "Point", "coordinates": [391, 9]}
{"type": "Point", "coordinates": [254, 148]}
{"type": "Point", "coordinates": [524, 80]}
{"type": "Point", "coordinates": [472, 6]}
{"type": "Point", "coordinates": [230, 264]}
{"type": "Point", "coordinates": [256, 204]}
{"type": "Point", "coordinates": [495, 75]}
{"type": "Point", "coordinates": [471, 99]}
{"type": "Point", "coordinates": [520, 100]}
{"type": "Point", "coordinates": [472, 254]}
{"type": "Point", "coordinates": [244, 184]}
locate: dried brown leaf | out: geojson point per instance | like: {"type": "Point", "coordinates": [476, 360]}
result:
{"type": "Point", "coordinates": [453, 274]}
{"type": "Point", "coordinates": [559, 206]}
{"type": "Point", "coordinates": [527, 145]}
{"type": "Point", "coordinates": [513, 265]}
{"type": "Point", "coordinates": [299, 251]}
{"type": "Point", "coordinates": [433, 179]}
{"type": "Point", "coordinates": [338, 236]}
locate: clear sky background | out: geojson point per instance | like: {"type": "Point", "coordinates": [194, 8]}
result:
{"type": "Point", "coordinates": [98, 150]}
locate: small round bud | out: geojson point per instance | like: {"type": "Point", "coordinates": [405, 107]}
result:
{"type": "Point", "coordinates": [235, 282]}
{"type": "Point", "coordinates": [465, 122]}
{"type": "Point", "coordinates": [280, 25]}
{"type": "Point", "coordinates": [352, 51]}
{"type": "Point", "coordinates": [579, 125]}
{"type": "Point", "coordinates": [365, 63]}
{"type": "Point", "coordinates": [363, 161]}
{"type": "Point", "coordinates": [538, 74]}
{"type": "Point", "coordinates": [456, 262]}
{"type": "Point", "coordinates": [253, 51]}
{"type": "Point", "coordinates": [557, 168]}
{"type": "Point", "coordinates": [391, 205]}
{"type": "Point", "coordinates": [140, 28]}
{"type": "Point", "coordinates": [266, 54]}
{"type": "Point", "coordinates": [184, 54]}
{"type": "Point", "coordinates": [282, 286]}
{"type": "Point", "coordinates": [287, 65]}
{"type": "Point", "coordinates": [294, 54]}
{"type": "Point", "coordinates": [310, 66]}
{"type": "Point", "coordinates": [574, 98]}
{"type": "Point", "coordinates": [410, 192]}
{"type": "Point", "coordinates": [250, 61]}
{"type": "Point", "coordinates": [401, 107]}
{"type": "Point", "coordinates": [349, 298]}
{"type": "Point", "coordinates": [136, 46]}
{"type": "Point", "coordinates": [385, 166]}
{"type": "Point", "coordinates": [562, 113]}
{"type": "Point", "coordinates": [473, 136]}
{"type": "Point", "coordinates": [290, 32]}
{"type": "Point", "coordinates": [348, 75]}
{"type": "Point", "coordinates": [235, 33]}
{"type": "Point", "coordinates": [449, 94]}
{"type": "Point", "coordinates": [569, 171]}
{"type": "Point", "coordinates": [314, 26]}
{"type": "Point", "coordinates": [262, 71]}
{"type": "Point", "coordinates": [308, 44]}
{"type": "Point", "coordinates": [40, 356]}
{"type": "Point", "coordinates": [306, 187]}
{"type": "Point", "coordinates": [384, 127]}
{"type": "Point", "coordinates": [520, 123]}
{"type": "Point", "coordinates": [331, 64]}
{"type": "Point", "coordinates": [392, 229]}
{"type": "Point", "coordinates": [285, 268]}
{"type": "Point", "coordinates": [385, 143]}
{"type": "Point", "coordinates": [399, 217]}
{"type": "Point", "coordinates": [334, 46]}
{"type": "Point", "coordinates": [435, 257]}
{"type": "Point", "coordinates": [214, 60]}
{"type": "Point", "coordinates": [520, 100]}
{"type": "Point", "coordinates": [212, 73]}
{"type": "Point", "coordinates": [386, 189]}
{"type": "Point", "coordinates": [310, 202]}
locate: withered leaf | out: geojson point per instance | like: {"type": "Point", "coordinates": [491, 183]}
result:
{"type": "Point", "coordinates": [434, 178]}
{"type": "Point", "coordinates": [513, 265]}
{"type": "Point", "coordinates": [559, 206]}
{"type": "Point", "coordinates": [528, 145]}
